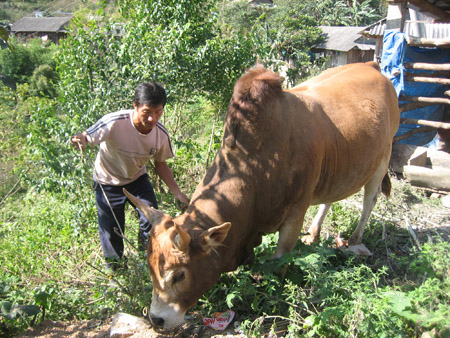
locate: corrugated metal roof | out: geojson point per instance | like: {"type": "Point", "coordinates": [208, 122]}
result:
{"type": "Point", "coordinates": [418, 29]}
{"type": "Point", "coordinates": [344, 39]}
{"type": "Point", "coordinates": [375, 30]}
{"type": "Point", "coordinates": [428, 30]}
{"type": "Point", "coordinates": [53, 24]}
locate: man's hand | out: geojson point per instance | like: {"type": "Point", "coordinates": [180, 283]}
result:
{"type": "Point", "coordinates": [79, 141]}
{"type": "Point", "coordinates": [163, 170]}
{"type": "Point", "coordinates": [182, 201]}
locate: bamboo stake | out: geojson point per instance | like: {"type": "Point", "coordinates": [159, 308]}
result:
{"type": "Point", "coordinates": [435, 100]}
{"type": "Point", "coordinates": [427, 66]}
{"type": "Point", "coordinates": [433, 124]}
{"type": "Point", "coordinates": [412, 41]}
{"type": "Point", "coordinates": [414, 78]}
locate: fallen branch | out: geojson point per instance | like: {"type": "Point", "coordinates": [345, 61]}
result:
{"type": "Point", "coordinates": [11, 192]}
{"type": "Point", "coordinates": [110, 277]}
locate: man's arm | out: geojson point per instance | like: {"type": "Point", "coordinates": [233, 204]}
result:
{"type": "Point", "coordinates": [163, 171]}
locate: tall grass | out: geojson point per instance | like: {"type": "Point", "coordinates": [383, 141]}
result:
{"type": "Point", "coordinates": [50, 257]}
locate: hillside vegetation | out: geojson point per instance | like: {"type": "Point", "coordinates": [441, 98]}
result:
{"type": "Point", "coordinates": [51, 266]}
{"type": "Point", "coordinates": [11, 10]}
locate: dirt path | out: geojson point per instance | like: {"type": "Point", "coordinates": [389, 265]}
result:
{"type": "Point", "coordinates": [101, 329]}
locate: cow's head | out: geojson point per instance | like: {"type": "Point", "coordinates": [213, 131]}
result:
{"type": "Point", "coordinates": [180, 264]}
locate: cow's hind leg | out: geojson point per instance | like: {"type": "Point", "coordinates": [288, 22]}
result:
{"type": "Point", "coordinates": [316, 225]}
{"type": "Point", "coordinates": [290, 230]}
{"type": "Point", "coordinates": [371, 191]}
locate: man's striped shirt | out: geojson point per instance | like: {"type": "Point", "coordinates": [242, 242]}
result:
{"type": "Point", "coordinates": [124, 151]}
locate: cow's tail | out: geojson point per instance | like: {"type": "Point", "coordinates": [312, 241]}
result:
{"type": "Point", "coordinates": [386, 185]}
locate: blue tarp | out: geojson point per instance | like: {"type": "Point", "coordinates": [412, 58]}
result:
{"type": "Point", "coordinates": [396, 52]}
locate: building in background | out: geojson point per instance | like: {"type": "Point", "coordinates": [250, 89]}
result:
{"type": "Point", "coordinates": [345, 45]}
{"type": "Point", "coordinates": [46, 28]}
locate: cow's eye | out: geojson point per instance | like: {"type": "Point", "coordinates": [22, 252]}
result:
{"type": "Point", "coordinates": [178, 277]}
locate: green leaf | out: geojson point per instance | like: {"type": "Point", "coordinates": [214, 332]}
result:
{"type": "Point", "coordinates": [403, 306]}
{"type": "Point", "coordinates": [231, 297]}
{"type": "Point", "coordinates": [5, 308]}
{"type": "Point", "coordinates": [41, 298]}
{"type": "Point", "coordinates": [4, 34]}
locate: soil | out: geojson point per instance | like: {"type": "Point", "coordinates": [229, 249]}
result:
{"type": "Point", "coordinates": [101, 329]}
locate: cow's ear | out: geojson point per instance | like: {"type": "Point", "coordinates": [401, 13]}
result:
{"type": "Point", "coordinates": [182, 238]}
{"type": "Point", "coordinates": [213, 237]}
{"type": "Point", "coordinates": [152, 214]}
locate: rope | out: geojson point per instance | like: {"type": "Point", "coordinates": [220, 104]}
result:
{"type": "Point", "coordinates": [119, 231]}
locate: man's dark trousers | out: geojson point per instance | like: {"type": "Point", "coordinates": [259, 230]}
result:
{"type": "Point", "coordinates": [111, 236]}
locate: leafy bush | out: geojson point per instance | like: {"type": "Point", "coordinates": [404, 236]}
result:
{"type": "Point", "coordinates": [24, 58]}
{"type": "Point", "coordinates": [16, 64]}
{"type": "Point", "coordinates": [317, 291]}
{"type": "Point", "coordinates": [42, 82]}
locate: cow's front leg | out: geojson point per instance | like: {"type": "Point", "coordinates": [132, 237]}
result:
{"type": "Point", "coordinates": [290, 230]}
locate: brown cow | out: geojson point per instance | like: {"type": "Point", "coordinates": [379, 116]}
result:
{"type": "Point", "coordinates": [282, 151]}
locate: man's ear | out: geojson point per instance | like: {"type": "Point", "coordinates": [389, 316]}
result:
{"type": "Point", "coordinates": [213, 237]}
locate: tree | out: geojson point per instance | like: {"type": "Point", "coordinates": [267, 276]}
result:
{"type": "Point", "coordinates": [173, 42]}
{"type": "Point", "coordinates": [344, 12]}
{"type": "Point", "coordinates": [16, 64]}
{"type": "Point", "coordinates": [19, 63]}
{"type": "Point", "coordinates": [282, 34]}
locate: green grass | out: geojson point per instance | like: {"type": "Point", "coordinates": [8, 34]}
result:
{"type": "Point", "coordinates": [51, 257]}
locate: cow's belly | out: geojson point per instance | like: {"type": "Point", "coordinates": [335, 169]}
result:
{"type": "Point", "coordinates": [336, 196]}
{"type": "Point", "coordinates": [338, 184]}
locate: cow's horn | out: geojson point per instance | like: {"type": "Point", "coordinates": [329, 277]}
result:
{"type": "Point", "coordinates": [152, 214]}
{"type": "Point", "coordinates": [182, 238]}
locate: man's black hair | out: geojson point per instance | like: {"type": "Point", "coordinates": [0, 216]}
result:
{"type": "Point", "coordinates": [151, 93]}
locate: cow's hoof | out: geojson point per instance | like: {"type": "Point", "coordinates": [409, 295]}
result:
{"type": "Point", "coordinates": [360, 250]}
{"type": "Point", "coordinates": [309, 239]}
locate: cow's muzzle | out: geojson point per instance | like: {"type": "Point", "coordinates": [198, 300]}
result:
{"type": "Point", "coordinates": [157, 322]}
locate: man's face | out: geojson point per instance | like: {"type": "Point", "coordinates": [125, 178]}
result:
{"type": "Point", "coordinates": [146, 117]}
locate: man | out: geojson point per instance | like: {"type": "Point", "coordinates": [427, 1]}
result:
{"type": "Point", "coordinates": [128, 139]}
